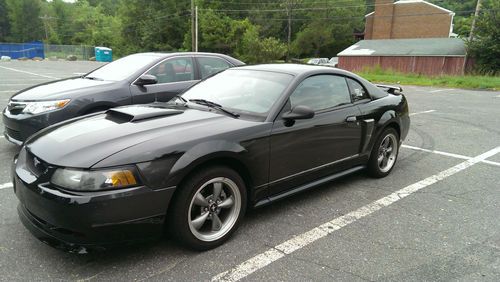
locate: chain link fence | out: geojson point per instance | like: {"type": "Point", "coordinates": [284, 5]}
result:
{"type": "Point", "coordinates": [46, 51]}
{"type": "Point", "coordinates": [81, 52]}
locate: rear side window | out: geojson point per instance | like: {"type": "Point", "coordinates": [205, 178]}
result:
{"type": "Point", "coordinates": [211, 65]}
{"type": "Point", "coordinates": [174, 70]}
{"type": "Point", "coordinates": [357, 91]}
{"type": "Point", "coordinates": [321, 92]}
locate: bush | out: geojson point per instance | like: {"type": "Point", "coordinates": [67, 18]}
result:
{"type": "Point", "coordinates": [255, 50]}
{"type": "Point", "coordinates": [485, 47]}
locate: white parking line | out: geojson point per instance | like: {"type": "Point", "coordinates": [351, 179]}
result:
{"type": "Point", "coordinates": [32, 73]}
{"type": "Point", "coordinates": [14, 84]}
{"type": "Point", "coordinates": [423, 112]}
{"type": "Point", "coordinates": [5, 186]}
{"type": "Point", "coordinates": [440, 90]}
{"type": "Point", "coordinates": [6, 91]}
{"type": "Point", "coordinates": [498, 96]}
{"type": "Point", "coordinates": [24, 79]}
{"type": "Point", "coordinates": [448, 154]}
{"type": "Point", "coordinates": [280, 251]}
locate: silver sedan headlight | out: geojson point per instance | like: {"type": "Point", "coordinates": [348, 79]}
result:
{"type": "Point", "coordinates": [44, 106]}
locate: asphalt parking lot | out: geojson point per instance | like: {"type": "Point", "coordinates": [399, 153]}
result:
{"type": "Point", "coordinates": [435, 217]}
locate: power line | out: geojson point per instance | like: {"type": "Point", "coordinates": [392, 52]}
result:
{"type": "Point", "coordinates": [324, 3]}
{"type": "Point", "coordinates": [354, 17]}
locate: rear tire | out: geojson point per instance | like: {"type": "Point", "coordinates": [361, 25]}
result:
{"type": "Point", "coordinates": [208, 208]}
{"type": "Point", "coordinates": [384, 154]}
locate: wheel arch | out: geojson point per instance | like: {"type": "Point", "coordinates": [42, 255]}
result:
{"type": "Point", "coordinates": [226, 160]}
{"type": "Point", "coordinates": [388, 119]}
{"type": "Point", "coordinates": [211, 153]}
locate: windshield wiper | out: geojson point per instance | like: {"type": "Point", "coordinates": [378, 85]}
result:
{"type": "Point", "coordinates": [213, 105]}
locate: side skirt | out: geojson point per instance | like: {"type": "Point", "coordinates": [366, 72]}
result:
{"type": "Point", "coordinates": [308, 186]}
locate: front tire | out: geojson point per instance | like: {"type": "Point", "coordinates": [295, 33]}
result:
{"type": "Point", "coordinates": [384, 154]}
{"type": "Point", "coordinates": [208, 208]}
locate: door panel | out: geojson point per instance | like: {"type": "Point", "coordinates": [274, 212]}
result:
{"type": "Point", "coordinates": [304, 150]}
{"type": "Point", "coordinates": [174, 76]}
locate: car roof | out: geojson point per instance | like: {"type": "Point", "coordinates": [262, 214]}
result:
{"type": "Point", "coordinates": [294, 69]}
{"type": "Point", "coordinates": [168, 54]}
{"type": "Point", "coordinates": [162, 55]}
{"type": "Point", "coordinates": [303, 70]}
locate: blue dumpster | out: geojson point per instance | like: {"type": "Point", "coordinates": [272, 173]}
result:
{"type": "Point", "coordinates": [103, 54]}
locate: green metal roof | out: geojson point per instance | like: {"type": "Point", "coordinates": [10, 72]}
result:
{"type": "Point", "coordinates": [407, 47]}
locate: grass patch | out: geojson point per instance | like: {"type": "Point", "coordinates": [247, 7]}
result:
{"type": "Point", "coordinates": [468, 81]}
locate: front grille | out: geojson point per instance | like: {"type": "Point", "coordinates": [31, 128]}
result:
{"type": "Point", "coordinates": [15, 108]}
{"type": "Point", "coordinates": [14, 134]}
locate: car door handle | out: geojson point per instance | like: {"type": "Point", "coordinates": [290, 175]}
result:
{"type": "Point", "coordinates": [351, 119]}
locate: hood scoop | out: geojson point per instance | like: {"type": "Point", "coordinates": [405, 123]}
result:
{"type": "Point", "coordinates": [137, 113]}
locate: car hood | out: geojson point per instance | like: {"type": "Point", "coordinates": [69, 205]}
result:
{"type": "Point", "coordinates": [58, 89]}
{"type": "Point", "coordinates": [83, 142]}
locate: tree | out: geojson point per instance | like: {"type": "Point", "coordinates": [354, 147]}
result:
{"type": "Point", "coordinates": [485, 47]}
{"type": "Point", "coordinates": [4, 21]}
{"type": "Point", "coordinates": [332, 31]}
{"type": "Point", "coordinates": [310, 40]}
{"type": "Point", "coordinates": [24, 16]}
{"type": "Point", "coordinates": [254, 49]}
{"type": "Point", "coordinates": [153, 25]}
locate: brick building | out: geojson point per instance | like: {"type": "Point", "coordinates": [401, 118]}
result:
{"type": "Point", "coordinates": [408, 36]}
{"type": "Point", "coordinates": [428, 56]}
{"type": "Point", "coordinates": [408, 19]}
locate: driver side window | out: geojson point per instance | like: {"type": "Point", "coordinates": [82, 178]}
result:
{"type": "Point", "coordinates": [173, 70]}
{"type": "Point", "coordinates": [321, 92]}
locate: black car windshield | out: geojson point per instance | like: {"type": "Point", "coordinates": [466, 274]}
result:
{"type": "Point", "coordinates": [244, 91]}
{"type": "Point", "coordinates": [122, 68]}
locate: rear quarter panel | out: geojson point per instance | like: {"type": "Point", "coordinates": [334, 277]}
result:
{"type": "Point", "coordinates": [376, 115]}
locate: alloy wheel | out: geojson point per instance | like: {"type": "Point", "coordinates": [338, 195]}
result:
{"type": "Point", "coordinates": [214, 209]}
{"type": "Point", "coordinates": [387, 153]}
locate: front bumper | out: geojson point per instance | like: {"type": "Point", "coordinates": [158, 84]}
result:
{"type": "Point", "coordinates": [76, 220]}
{"type": "Point", "coordinates": [21, 126]}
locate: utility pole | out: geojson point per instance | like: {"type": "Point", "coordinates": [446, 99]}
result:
{"type": "Point", "coordinates": [45, 25]}
{"type": "Point", "coordinates": [193, 44]}
{"type": "Point", "coordinates": [196, 29]}
{"type": "Point", "coordinates": [476, 15]}
{"type": "Point", "coordinates": [289, 39]}
{"type": "Point", "coordinates": [471, 34]}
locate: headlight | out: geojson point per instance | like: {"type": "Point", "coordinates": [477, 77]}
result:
{"type": "Point", "coordinates": [86, 180]}
{"type": "Point", "coordinates": [44, 106]}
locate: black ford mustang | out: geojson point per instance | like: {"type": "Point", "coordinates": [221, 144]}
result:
{"type": "Point", "coordinates": [243, 138]}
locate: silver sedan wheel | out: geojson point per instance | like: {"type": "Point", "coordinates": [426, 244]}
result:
{"type": "Point", "coordinates": [387, 153]}
{"type": "Point", "coordinates": [214, 209]}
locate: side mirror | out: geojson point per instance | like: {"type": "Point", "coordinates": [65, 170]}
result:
{"type": "Point", "coordinates": [299, 112]}
{"type": "Point", "coordinates": [146, 79]}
